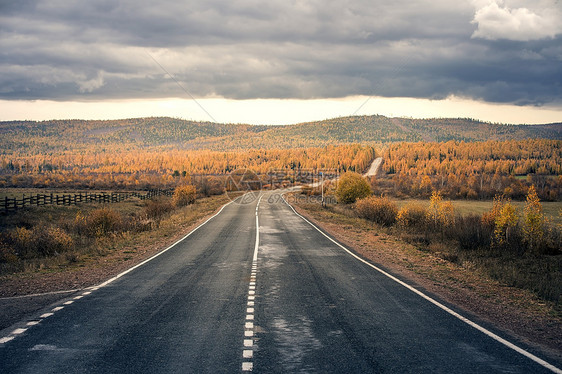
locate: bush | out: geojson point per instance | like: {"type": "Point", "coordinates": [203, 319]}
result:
{"type": "Point", "coordinates": [471, 232]}
{"type": "Point", "coordinates": [103, 221]}
{"type": "Point", "coordinates": [412, 215]}
{"type": "Point", "coordinates": [534, 222]}
{"type": "Point", "coordinates": [184, 195]}
{"type": "Point", "coordinates": [352, 186]}
{"type": "Point", "coordinates": [440, 214]}
{"type": "Point", "coordinates": [80, 225]}
{"type": "Point", "coordinates": [156, 208]}
{"type": "Point", "coordinates": [22, 241]}
{"type": "Point", "coordinates": [380, 210]}
{"type": "Point", "coordinates": [306, 190]}
{"type": "Point", "coordinates": [52, 241]}
{"type": "Point", "coordinates": [489, 218]}
{"type": "Point", "coordinates": [40, 242]}
{"type": "Point", "coordinates": [7, 254]}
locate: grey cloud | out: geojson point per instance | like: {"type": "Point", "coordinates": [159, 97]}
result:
{"type": "Point", "coordinates": [277, 49]}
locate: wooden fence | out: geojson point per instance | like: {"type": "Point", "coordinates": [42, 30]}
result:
{"type": "Point", "coordinates": [13, 204]}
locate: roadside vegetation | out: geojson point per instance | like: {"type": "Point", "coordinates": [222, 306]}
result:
{"type": "Point", "coordinates": [520, 247]}
{"type": "Point", "coordinates": [52, 238]}
{"type": "Point", "coordinates": [504, 218]}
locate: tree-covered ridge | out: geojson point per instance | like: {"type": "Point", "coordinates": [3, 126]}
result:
{"type": "Point", "coordinates": [172, 133]}
{"type": "Point", "coordinates": [462, 129]}
{"type": "Point", "coordinates": [149, 151]}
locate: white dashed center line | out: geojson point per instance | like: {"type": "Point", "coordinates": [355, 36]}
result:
{"type": "Point", "coordinates": [248, 351]}
{"type": "Point", "coordinates": [20, 331]}
{"type": "Point", "coordinates": [15, 333]}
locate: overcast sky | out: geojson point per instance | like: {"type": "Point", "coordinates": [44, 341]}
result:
{"type": "Point", "coordinates": [54, 54]}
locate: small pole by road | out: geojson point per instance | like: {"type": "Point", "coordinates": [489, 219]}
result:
{"type": "Point", "coordinates": [322, 184]}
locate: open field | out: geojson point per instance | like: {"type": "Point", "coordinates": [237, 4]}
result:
{"type": "Point", "coordinates": [551, 209]}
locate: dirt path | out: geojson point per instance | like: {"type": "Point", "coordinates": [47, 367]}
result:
{"type": "Point", "coordinates": [375, 168]}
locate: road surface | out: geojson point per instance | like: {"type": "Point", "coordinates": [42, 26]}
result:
{"type": "Point", "coordinates": [255, 288]}
{"type": "Point", "coordinates": [374, 168]}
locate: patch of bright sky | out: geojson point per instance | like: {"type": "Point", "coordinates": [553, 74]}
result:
{"type": "Point", "coordinates": [275, 111]}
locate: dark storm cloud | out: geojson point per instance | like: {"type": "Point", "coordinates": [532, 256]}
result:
{"type": "Point", "coordinates": [247, 49]}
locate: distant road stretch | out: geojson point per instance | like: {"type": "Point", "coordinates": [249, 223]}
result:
{"type": "Point", "coordinates": [374, 169]}
{"type": "Point", "coordinates": [256, 288]}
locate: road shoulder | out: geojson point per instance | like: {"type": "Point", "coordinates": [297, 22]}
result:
{"type": "Point", "coordinates": [23, 294]}
{"type": "Point", "coordinates": [516, 312]}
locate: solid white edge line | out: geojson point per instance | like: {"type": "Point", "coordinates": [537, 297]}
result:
{"type": "Point", "coordinates": [163, 251]}
{"type": "Point", "coordinates": [436, 303]}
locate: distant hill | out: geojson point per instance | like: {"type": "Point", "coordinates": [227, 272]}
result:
{"type": "Point", "coordinates": [172, 133]}
{"type": "Point", "coordinates": [382, 129]}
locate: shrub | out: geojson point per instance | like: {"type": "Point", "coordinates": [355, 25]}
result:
{"type": "Point", "coordinates": [7, 253]}
{"type": "Point", "coordinates": [440, 213]}
{"type": "Point", "coordinates": [306, 190]}
{"type": "Point", "coordinates": [51, 241]}
{"type": "Point", "coordinates": [534, 222]}
{"type": "Point", "coordinates": [80, 225]}
{"type": "Point", "coordinates": [103, 221]}
{"type": "Point", "coordinates": [352, 186]}
{"type": "Point", "coordinates": [184, 195]}
{"type": "Point", "coordinates": [22, 241]}
{"type": "Point", "coordinates": [412, 215]}
{"type": "Point", "coordinates": [505, 225]}
{"type": "Point", "coordinates": [377, 209]}
{"type": "Point", "coordinates": [471, 232]}
{"type": "Point", "coordinates": [489, 218]}
{"type": "Point", "coordinates": [156, 208]}
{"type": "Point", "coordinates": [40, 242]}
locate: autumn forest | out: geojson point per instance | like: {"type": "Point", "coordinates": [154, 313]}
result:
{"type": "Point", "coordinates": [452, 156]}
{"type": "Point", "coordinates": [157, 171]}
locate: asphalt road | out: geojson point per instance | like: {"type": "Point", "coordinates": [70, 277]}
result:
{"type": "Point", "coordinates": [230, 298]}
